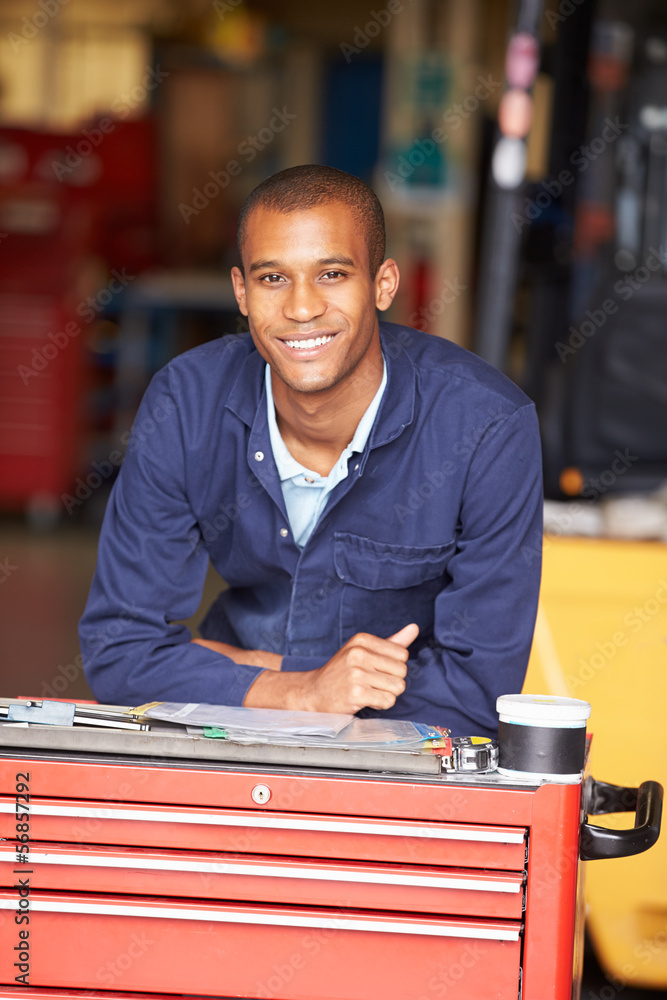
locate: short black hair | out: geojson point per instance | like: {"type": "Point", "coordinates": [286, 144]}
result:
{"type": "Point", "coordinates": [299, 188]}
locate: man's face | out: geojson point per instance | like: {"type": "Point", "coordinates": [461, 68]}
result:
{"type": "Point", "coordinates": [309, 297]}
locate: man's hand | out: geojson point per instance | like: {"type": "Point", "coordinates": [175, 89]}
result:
{"type": "Point", "coordinates": [367, 672]}
{"type": "Point", "coordinates": [253, 657]}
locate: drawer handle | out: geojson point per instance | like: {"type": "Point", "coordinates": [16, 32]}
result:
{"type": "Point", "coordinates": [267, 821]}
{"type": "Point", "coordinates": [493, 933]}
{"type": "Point", "coordinates": [269, 871]}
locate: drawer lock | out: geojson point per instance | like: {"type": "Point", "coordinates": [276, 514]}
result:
{"type": "Point", "coordinates": [261, 794]}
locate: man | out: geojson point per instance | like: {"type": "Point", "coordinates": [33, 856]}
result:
{"type": "Point", "coordinates": [370, 494]}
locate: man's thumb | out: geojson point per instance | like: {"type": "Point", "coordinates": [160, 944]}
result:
{"type": "Point", "coordinates": [406, 635]}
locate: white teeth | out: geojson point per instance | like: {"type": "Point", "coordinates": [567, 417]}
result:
{"type": "Point", "coordinates": [304, 345]}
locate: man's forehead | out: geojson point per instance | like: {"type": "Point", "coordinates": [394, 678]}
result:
{"type": "Point", "coordinates": [328, 215]}
{"type": "Point", "coordinates": [328, 233]}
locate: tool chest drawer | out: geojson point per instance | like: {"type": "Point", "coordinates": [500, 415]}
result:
{"type": "Point", "coordinates": [316, 882]}
{"type": "Point", "coordinates": [227, 949]}
{"type": "Point", "coordinates": [271, 832]}
{"type": "Point", "coordinates": [30, 993]}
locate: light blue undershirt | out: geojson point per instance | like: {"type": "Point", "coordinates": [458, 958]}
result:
{"type": "Point", "coordinates": [305, 492]}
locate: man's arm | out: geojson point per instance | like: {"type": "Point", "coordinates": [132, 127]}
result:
{"type": "Point", "coordinates": [484, 617]}
{"type": "Point", "coordinates": [254, 657]}
{"type": "Point", "coordinates": [367, 672]}
{"type": "Point", "coordinates": [150, 572]}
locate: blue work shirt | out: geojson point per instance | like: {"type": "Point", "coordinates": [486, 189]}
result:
{"type": "Point", "coordinates": [305, 492]}
{"type": "Point", "coordinates": [438, 522]}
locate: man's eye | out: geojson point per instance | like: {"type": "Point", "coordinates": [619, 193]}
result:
{"type": "Point", "coordinates": [334, 274]}
{"type": "Point", "coordinates": [271, 279]}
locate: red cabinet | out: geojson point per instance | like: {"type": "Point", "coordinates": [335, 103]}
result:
{"type": "Point", "coordinates": [171, 879]}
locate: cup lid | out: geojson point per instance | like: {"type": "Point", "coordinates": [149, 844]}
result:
{"type": "Point", "coordinates": [543, 706]}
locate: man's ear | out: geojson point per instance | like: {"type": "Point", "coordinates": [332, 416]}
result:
{"type": "Point", "coordinates": [238, 281]}
{"type": "Point", "coordinates": [387, 281]}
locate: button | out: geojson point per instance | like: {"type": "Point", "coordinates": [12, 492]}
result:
{"type": "Point", "coordinates": [356, 467]}
{"type": "Point", "coordinates": [284, 532]}
{"type": "Point", "coordinates": [309, 479]}
{"type": "Point", "coordinates": [259, 456]}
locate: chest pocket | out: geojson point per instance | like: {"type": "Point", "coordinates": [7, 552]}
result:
{"type": "Point", "coordinates": [386, 586]}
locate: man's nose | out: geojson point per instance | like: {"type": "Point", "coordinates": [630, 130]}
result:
{"type": "Point", "coordinates": [304, 301]}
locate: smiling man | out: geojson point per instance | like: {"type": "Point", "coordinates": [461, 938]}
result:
{"type": "Point", "coordinates": [370, 494]}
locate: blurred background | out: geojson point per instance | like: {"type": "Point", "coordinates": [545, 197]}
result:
{"type": "Point", "coordinates": [520, 152]}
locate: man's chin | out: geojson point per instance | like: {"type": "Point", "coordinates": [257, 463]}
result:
{"type": "Point", "coordinates": [309, 384]}
{"type": "Point", "coordinates": [303, 376]}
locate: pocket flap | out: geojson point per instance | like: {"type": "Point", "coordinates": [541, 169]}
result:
{"type": "Point", "coordinates": [382, 566]}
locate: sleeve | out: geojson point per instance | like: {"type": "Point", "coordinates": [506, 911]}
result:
{"type": "Point", "coordinates": [150, 574]}
{"type": "Point", "coordinates": [303, 663]}
{"type": "Point", "coordinates": [484, 618]}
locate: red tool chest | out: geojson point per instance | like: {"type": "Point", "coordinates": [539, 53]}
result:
{"type": "Point", "coordinates": [63, 228]}
{"type": "Point", "coordinates": [178, 877]}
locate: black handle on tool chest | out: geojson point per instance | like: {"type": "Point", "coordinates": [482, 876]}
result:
{"type": "Point", "coordinates": [597, 842]}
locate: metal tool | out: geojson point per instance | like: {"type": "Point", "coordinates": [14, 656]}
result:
{"type": "Point", "coordinates": [467, 754]}
{"type": "Point", "coordinates": [67, 713]}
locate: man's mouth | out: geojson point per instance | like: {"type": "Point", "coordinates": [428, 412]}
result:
{"type": "Point", "coordinates": [305, 344]}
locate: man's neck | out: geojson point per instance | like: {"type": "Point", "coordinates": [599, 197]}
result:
{"type": "Point", "coordinates": [317, 427]}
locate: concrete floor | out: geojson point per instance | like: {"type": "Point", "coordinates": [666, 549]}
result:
{"type": "Point", "coordinates": [44, 581]}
